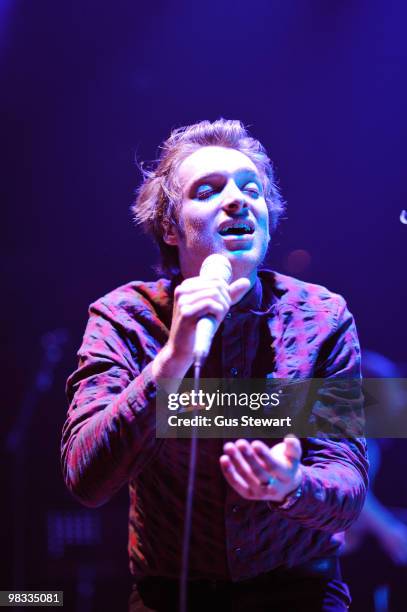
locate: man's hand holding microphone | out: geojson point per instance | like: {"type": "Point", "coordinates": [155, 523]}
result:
{"type": "Point", "coordinates": [205, 298]}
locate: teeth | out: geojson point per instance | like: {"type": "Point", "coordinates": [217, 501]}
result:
{"type": "Point", "coordinates": [238, 228]}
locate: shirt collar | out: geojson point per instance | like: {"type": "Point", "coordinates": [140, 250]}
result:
{"type": "Point", "coordinates": [258, 300]}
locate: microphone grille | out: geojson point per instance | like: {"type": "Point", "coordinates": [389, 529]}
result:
{"type": "Point", "coordinates": [216, 266]}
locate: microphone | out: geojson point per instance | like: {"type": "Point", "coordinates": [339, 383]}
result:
{"type": "Point", "coordinates": [213, 267]}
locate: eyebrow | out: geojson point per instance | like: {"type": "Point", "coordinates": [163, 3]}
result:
{"type": "Point", "coordinates": [249, 172]}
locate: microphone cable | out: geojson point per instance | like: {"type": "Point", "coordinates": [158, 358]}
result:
{"type": "Point", "coordinates": [189, 502]}
{"type": "Point", "coordinates": [214, 266]}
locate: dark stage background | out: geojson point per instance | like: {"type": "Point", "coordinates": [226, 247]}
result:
{"type": "Point", "coordinates": [86, 87]}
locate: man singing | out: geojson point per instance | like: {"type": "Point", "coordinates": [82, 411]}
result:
{"type": "Point", "coordinates": [264, 516]}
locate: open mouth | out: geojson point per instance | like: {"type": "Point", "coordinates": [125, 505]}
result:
{"type": "Point", "coordinates": [237, 229]}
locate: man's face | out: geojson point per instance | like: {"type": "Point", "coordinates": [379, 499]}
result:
{"type": "Point", "coordinates": [222, 211]}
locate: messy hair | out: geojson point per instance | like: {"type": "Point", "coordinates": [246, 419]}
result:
{"type": "Point", "coordinates": [158, 198]}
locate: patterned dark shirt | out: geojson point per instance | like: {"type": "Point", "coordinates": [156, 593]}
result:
{"type": "Point", "coordinates": [284, 328]}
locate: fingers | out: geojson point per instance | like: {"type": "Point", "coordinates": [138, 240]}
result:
{"type": "Point", "coordinates": [281, 459]}
{"type": "Point", "coordinates": [293, 450]}
{"type": "Point", "coordinates": [245, 463]}
{"type": "Point", "coordinates": [191, 313]}
{"type": "Point", "coordinates": [207, 293]}
{"type": "Point", "coordinates": [265, 457]}
{"type": "Point", "coordinates": [258, 468]}
{"type": "Point", "coordinates": [242, 480]}
{"type": "Point", "coordinates": [238, 288]}
{"type": "Point", "coordinates": [197, 283]}
{"type": "Point", "coordinates": [256, 473]}
{"type": "Point", "coordinates": [245, 473]}
{"type": "Point", "coordinates": [232, 476]}
{"type": "Point", "coordinates": [197, 297]}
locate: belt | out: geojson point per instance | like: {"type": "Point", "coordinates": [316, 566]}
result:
{"type": "Point", "coordinates": [324, 568]}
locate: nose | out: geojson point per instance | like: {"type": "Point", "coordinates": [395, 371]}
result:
{"type": "Point", "coordinates": [234, 200]}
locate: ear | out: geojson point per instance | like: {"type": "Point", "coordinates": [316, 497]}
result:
{"type": "Point", "coordinates": [170, 235]}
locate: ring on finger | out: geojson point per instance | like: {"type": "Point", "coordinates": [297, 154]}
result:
{"type": "Point", "coordinates": [270, 482]}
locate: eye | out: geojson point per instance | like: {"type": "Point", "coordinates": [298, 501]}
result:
{"type": "Point", "coordinates": [252, 189]}
{"type": "Point", "coordinates": [204, 192]}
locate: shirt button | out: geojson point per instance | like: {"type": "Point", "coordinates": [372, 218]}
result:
{"type": "Point", "coordinates": [229, 315]}
{"type": "Point", "coordinates": [234, 371]}
{"type": "Point", "coordinates": [235, 509]}
{"type": "Point", "coordinates": [237, 550]}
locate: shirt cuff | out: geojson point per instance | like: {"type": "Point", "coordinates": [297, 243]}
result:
{"type": "Point", "coordinates": [291, 499]}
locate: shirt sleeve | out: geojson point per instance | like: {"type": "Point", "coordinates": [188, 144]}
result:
{"type": "Point", "coordinates": [335, 469]}
{"type": "Point", "coordinates": [109, 433]}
